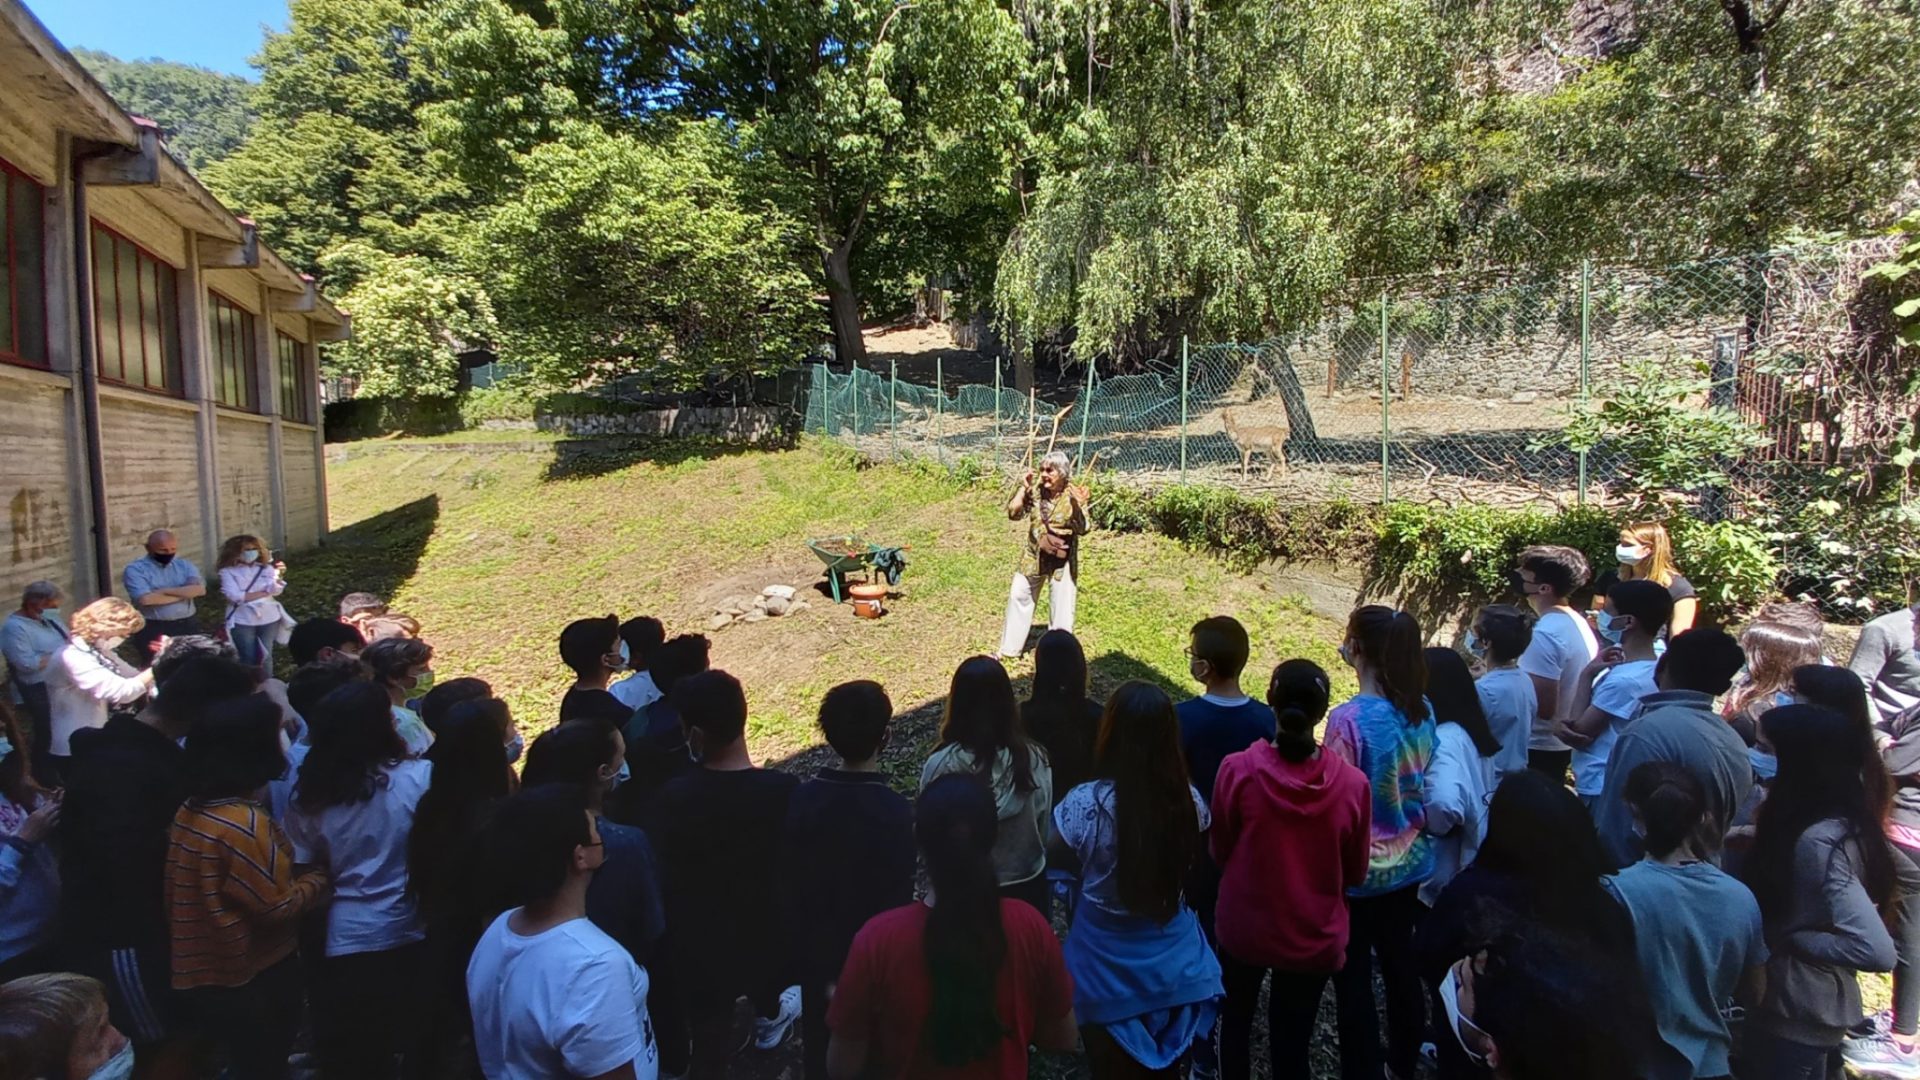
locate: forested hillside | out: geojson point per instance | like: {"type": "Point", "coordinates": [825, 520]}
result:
{"type": "Point", "coordinates": [204, 114]}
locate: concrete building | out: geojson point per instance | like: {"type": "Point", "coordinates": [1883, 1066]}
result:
{"type": "Point", "coordinates": [157, 361]}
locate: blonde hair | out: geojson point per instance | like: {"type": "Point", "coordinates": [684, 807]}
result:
{"type": "Point", "coordinates": [41, 1017]}
{"type": "Point", "coordinates": [107, 617]}
{"type": "Point", "coordinates": [230, 551]}
{"type": "Point", "coordinates": [1774, 650]}
{"type": "Point", "coordinates": [1659, 563]}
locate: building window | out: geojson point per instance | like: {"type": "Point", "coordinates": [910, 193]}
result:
{"type": "Point", "coordinates": [296, 381]}
{"type": "Point", "coordinates": [230, 329]}
{"type": "Point", "coordinates": [136, 315]}
{"type": "Point", "coordinates": [23, 277]}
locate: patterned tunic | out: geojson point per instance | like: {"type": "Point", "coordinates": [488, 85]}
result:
{"type": "Point", "coordinates": [1054, 526]}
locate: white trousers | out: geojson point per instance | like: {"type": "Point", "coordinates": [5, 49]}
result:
{"type": "Point", "coordinates": [1020, 600]}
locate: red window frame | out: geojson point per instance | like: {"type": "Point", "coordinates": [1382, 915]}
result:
{"type": "Point", "coordinates": [231, 327]}
{"type": "Point", "coordinates": [12, 353]}
{"type": "Point", "coordinates": [146, 274]}
{"type": "Point", "coordinates": [296, 378]}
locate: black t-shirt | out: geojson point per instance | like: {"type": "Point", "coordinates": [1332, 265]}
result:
{"type": "Point", "coordinates": [849, 856]}
{"type": "Point", "coordinates": [581, 704]}
{"type": "Point", "coordinates": [718, 836]}
{"type": "Point", "coordinates": [1681, 589]}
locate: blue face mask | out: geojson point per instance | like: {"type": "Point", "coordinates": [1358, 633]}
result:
{"type": "Point", "coordinates": [250, 555]}
{"type": "Point", "coordinates": [621, 777]}
{"type": "Point", "coordinates": [117, 1067]}
{"type": "Point", "coordinates": [515, 747]}
{"type": "Point", "coordinates": [626, 656]}
{"type": "Point", "coordinates": [1474, 646]}
{"type": "Point", "coordinates": [1612, 628]}
{"type": "Point", "coordinates": [1765, 765]}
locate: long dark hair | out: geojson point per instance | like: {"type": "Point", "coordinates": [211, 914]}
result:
{"type": "Point", "coordinates": [1451, 691]}
{"type": "Point", "coordinates": [1827, 770]}
{"type": "Point", "coordinates": [1157, 828]}
{"type": "Point", "coordinates": [984, 717]}
{"type": "Point", "coordinates": [1298, 694]}
{"type": "Point", "coordinates": [1389, 642]}
{"type": "Point", "coordinates": [351, 739]}
{"type": "Point", "coordinates": [1541, 836]}
{"type": "Point", "coordinates": [469, 775]}
{"type": "Point", "coordinates": [1059, 669]}
{"type": "Point", "coordinates": [1671, 804]}
{"type": "Point", "coordinates": [965, 942]}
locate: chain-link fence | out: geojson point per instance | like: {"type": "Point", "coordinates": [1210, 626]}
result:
{"type": "Point", "coordinates": [1437, 389]}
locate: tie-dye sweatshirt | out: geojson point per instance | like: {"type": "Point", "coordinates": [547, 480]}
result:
{"type": "Point", "coordinates": [1373, 736]}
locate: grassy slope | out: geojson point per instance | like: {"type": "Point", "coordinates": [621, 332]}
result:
{"type": "Point", "coordinates": [494, 552]}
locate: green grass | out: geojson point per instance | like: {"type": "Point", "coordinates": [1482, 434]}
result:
{"type": "Point", "coordinates": [495, 552]}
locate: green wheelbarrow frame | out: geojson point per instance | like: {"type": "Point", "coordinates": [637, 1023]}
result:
{"type": "Point", "coordinates": [841, 562]}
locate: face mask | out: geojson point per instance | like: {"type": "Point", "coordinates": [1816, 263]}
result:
{"type": "Point", "coordinates": [1611, 627]}
{"type": "Point", "coordinates": [423, 681]}
{"type": "Point", "coordinates": [1450, 998]}
{"type": "Point", "coordinates": [1782, 699]}
{"type": "Point", "coordinates": [515, 747]}
{"type": "Point", "coordinates": [250, 555]}
{"type": "Point", "coordinates": [159, 558]}
{"type": "Point", "coordinates": [1629, 554]}
{"type": "Point", "coordinates": [621, 777]}
{"type": "Point", "coordinates": [1474, 645]}
{"type": "Point", "coordinates": [1765, 765]}
{"type": "Point", "coordinates": [626, 657]}
{"type": "Point", "coordinates": [6, 747]}
{"type": "Point", "coordinates": [1346, 654]}
{"type": "Point", "coordinates": [117, 1067]}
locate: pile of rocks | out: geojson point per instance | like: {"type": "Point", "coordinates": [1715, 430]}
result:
{"type": "Point", "coordinates": [773, 602]}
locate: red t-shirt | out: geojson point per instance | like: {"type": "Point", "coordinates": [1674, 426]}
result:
{"type": "Point", "coordinates": [884, 993]}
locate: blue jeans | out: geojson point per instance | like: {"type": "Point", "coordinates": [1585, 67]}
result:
{"type": "Point", "coordinates": [253, 643]}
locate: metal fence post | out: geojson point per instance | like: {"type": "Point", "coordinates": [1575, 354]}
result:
{"type": "Point", "coordinates": [826, 400]}
{"type": "Point", "coordinates": [1086, 412]}
{"type": "Point", "coordinates": [1586, 346]}
{"type": "Point", "coordinates": [853, 384]}
{"type": "Point", "coordinates": [1183, 408]}
{"type": "Point", "coordinates": [939, 403]}
{"type": "Point", "coordinates": [996, 404]}
{"type": "Point", "coordinates": [893, 397]}
{"type": "Point", "coordinates": [1386, 406]}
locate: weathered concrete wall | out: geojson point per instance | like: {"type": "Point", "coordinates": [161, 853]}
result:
{"type": "Point", "coordinates": [246, 494]}
{"type": "Point", "coordinates": [300, 484]}
{"type": "Point", "coordinates": [40, 511]}
{"type": "Point", "coordinates": [152, 468]}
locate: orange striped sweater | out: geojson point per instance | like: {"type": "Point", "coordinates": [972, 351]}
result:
{"type": "Point", "coordinates": [232, 898]}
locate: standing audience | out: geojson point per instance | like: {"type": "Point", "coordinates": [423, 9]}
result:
{"type": "Point", "coordinates": [323, 639]}
{"type": "Point", "coordinates": [1823, 872]}
{"type": "Point", "coordinates": [1500, 635]}
{"type": "Point", "coordinates": [252, 581]}
{"type": "Point", "coordinates": [1696, 930]}
{"type": "Point", "coordinates": [232, 893]}
{"type": "Point", "coordinates": [1561, 648]}
{"type": "Point", "coordinates": [717, 830]}
{"type": "Point", "coordinates": [642, 637]}
{"type": "Point", "coordinates": [1887, 659]}
{"type": "Point", "coordinates": [29, 874]}
{"type": "Point", "coordinates": [957, 985]}
{"type": "Point", "coordinates": [551, 994]}
{"type": "Point", "coordinates": [164, 587]}
{"type": "Point", "coordinates": [89, 678]}
{"type": "Point", "coordinates": [403, 667]}
{"type": "Point", "coordinates": [1646, 554]}
{"type": "Point", "coordinates": [1774, 651]}
{"type": "Point", "coordinates": [593, 650]}
{"type": "Point", "coordinates": [1608, 693]}
{"type": "Point", "coordinates": [1290, 835]}
{"type": "Point", "coordinates": [656, 741]}
{"type": "Point", "coordinates": [31, 640]}
{"type": "Point", "coordinates": [1146, 982]}
{"type": "Point", "coordinates": [1460, 780]}
{"type": "Point", "coordinates": [1386, 732]}
{"type": "Point", "coordinates": [352, 812]}
{"type": "Point", "coordinates": [1889, 1048]}
{"type": "Point", "coordinates": [1059, 715]}
{"type": "Point", "coordinates": [981, 735]}
{"type": "Point", "coordinates": [848, 850]}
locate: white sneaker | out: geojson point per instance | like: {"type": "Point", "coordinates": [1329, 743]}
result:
{"type": "Point", "coordinates": [769, 1033]}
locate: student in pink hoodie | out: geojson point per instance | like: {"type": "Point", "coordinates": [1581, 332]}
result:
{"type": "Point", "coordinates": [1290, 834]}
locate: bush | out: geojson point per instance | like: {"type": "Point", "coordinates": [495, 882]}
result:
{"type": "Point", "coordinates": [1467, 551]}
{"type": "Point", "coordinates": [1732, 564]}
{"type": "Point", "coordinates": [1244, 530]}
{"type": "Point", "coordinates": [372, 417]}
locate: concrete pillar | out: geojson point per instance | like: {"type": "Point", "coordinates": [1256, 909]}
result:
{"type": "Point", "coordinates": [63, 267]}
{"type": "Point", "coordinates": [266, 355]}
{"type": "Point", "coordinates": [311, 350]}
{"type": "Point", "coordinates": [196, 356]}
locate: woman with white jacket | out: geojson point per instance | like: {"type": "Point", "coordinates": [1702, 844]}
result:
{"type": "Point", "coordinates": [88, 678]}
{"type": "Point", "coordinates": [1460, 779]}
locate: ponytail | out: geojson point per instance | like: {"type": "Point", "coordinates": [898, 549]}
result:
{"type": "Point", "coordinates": [1671, 804]}
{"type": "Point", "coordinates": [965, 942]}
{"type": "Point", "coordinates": [1390, 642]}
{"type": "Point", "coordinates": [1298, 693]}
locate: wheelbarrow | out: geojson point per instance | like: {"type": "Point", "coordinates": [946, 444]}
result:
{"type": "Point", "coordinates": [845, 555]}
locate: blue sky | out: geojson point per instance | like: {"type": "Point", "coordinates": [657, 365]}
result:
{"type": "Point", "coordinates": [219, 34]}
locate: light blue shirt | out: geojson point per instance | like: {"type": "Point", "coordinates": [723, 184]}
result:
{"type": "Point", "coordinates": [26, 642]}
{"type": "Point", "coordinates": [143, 575]}
{"type": "Point", "coordinates": [29, 893]}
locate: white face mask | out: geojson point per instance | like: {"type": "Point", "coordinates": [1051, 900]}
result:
{"type": "Point", "coordinates": [250, 555]}
{"type": "Point", "coordinates": [1629, 554]}
{"type": "Point", "coordinates": [1450, 998]}
{"type": "Point", "coordinates": [117, 1067]}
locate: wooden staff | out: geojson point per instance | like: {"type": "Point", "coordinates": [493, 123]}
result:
{"type": "Point", "coordinates": [1057, 417]}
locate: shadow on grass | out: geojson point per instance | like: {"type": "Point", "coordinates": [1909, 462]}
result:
{"type": "Point", "coordinates": [376, 554]}
{"type": "Point", "coordinates": [579, 459]}
{"type": "Point", "coordinates": [1108, 670]}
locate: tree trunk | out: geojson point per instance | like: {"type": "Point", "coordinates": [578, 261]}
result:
{"type": "Point", "coordinates": [842, 305]}
{"type": "Point", "coordinates": [1022, 369]}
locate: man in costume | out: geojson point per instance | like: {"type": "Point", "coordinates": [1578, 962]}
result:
{"type": "Point", "coordinates": [1056, 513]}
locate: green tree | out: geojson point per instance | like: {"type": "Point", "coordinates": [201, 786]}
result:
{"type": "Point", "coordinates": [624, 255]}
{"type": "Point", "coordinates": [204, 115]}
{"type": "Point", "coordinates": [412, 318]}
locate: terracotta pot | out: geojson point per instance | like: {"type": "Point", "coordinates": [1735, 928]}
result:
{"type": "Point", "coordinates": [867, 600]}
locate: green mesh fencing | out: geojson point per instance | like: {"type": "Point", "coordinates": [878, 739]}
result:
{"type": "Point", "coordinates": [1434, 390]}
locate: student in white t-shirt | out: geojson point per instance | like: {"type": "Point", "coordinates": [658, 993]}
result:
{"type": "Point", "coordinates": [552, 995]}
{"type": "Point", "coordinates": [351, 815]}
{"type": "Point", "coordinates": [1499, 635]}
{"type": "Point", "coordinates": [1563, 644]}
{"type": "Point", "coordinates": [1611, 686]}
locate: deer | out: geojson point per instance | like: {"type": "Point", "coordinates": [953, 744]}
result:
{"type": "Point", "coordinates": [1267, 438]}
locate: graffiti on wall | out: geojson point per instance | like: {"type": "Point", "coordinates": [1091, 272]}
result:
{"type": "Point", "coordinates": [39, 525]}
